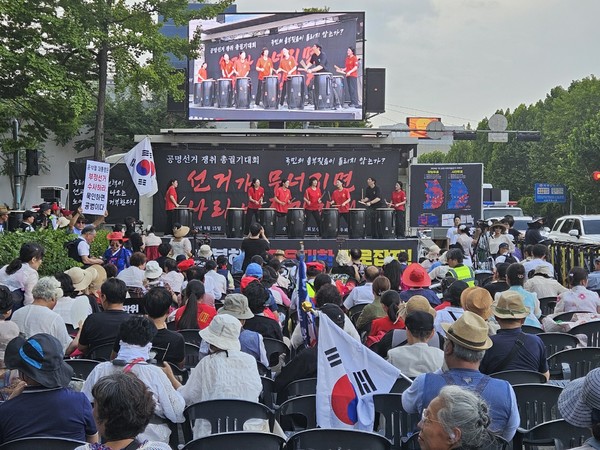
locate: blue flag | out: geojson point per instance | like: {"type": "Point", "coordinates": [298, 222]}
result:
{"type": "Point", "coordinates": [307, 321]}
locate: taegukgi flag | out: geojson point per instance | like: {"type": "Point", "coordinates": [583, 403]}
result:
{"type": "Point", "coordinates": [348, 375]}
{"type": "Point", "coordinates": [140, 162]}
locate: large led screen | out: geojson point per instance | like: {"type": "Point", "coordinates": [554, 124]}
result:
{"type": "Point", "coordinates": [278, 67]}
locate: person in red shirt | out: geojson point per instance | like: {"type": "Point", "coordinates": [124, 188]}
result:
{"type": "Point", "coordinates": [341, 200]}
{"type": "Point", "coordinates": [390, 300]}
{"type": "Point", "coordinates": [351, 72]}
{"type": "Point", "coordinates": [171, 204]}
{"type": "Point", "coordinates": [282, 199]}
{"type": "Point", "coordinates": [241, 67]}
{"type": "Point", "coordinates": [398, 203]}
{"type": "Point", "coordinates": [226, 66]}
{"type": "Point", "coordinates": [202, 74]}
{"type": "Point", "coordinates": [255, 200]}
{"type": "Point", "coordinates": [287, 66]}
{"type": "Point", "coordinates": [199, 308]}
{"type": "Point", "coordinates": [312, 202]}
{"type": "Point", "coordinates": [264, 67]}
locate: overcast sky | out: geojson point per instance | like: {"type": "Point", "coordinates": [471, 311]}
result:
{"type": "Point", "coordinates": [463, 59]}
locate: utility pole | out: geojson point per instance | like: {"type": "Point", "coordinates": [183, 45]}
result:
{"type": "Point", "coordinates": [17, 165]}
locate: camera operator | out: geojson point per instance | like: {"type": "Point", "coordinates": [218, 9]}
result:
{"type": "Point", "coordinates": [482, 245]}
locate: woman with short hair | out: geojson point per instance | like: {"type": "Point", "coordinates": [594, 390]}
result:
{"type": "Point", "coordinates": [21, 274]}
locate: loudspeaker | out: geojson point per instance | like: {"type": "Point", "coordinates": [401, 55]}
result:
{"type": "Point", "coordinates": [179, 106]}
{"type": "Point", "coordinates": [375, 91]}
{"type": "Point", "coordinates": [31, 157]}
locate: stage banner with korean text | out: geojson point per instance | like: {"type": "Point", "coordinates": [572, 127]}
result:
{"type": "Point", "coordinates": [122, 195]}
{"type": "Point", "coordinates": [214, 179]}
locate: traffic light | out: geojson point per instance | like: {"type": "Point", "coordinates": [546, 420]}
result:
{"type": "Point", "coordinates": [596, 175]}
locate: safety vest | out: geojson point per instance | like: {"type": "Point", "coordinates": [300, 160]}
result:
{"type": "Point", "coordinates": [463, 273]}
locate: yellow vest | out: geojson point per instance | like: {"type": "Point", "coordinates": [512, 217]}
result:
{"type": "Point", "coordinates": [463, 273]}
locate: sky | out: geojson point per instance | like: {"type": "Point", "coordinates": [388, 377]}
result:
{"type": "Point", "coordinates": [462, 60]}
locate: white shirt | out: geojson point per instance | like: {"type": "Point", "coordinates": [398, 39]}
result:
{"type": "Point", "coordinates": [182, 247]}
{"type": "Point", "coordinates": [415, 359]}
{"type": "Point", "coordinates": [536, 262]}
{"type": "Point", "coordinates": [65, 304]}
{"type": "Point", "coordinates": [296, 339]}
{"type": "Point", "coordinates": [173, 279]}
{"type": "Point", "coordinates": [219, 283]}
{"type": "Point", "coordinates": [452, 235]}
{"type": "Point", "coordinates": [83, 248]}
{"type": "Point", "coordinates": [34, 319]}
{"type": "Point", "coordinates": [25, 279]}
{"type": "Point", "coordinates": [494, 243]}
{"type": "Point", "coordinates": [169, 403]}
{"type": "Point", "coordinates": [132, 277]}
{"type": "Point", "coordinates": [544, 287]}
{"type": "Point", "coordinates": [360, 295]}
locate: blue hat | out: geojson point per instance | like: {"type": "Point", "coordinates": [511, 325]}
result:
{"type": "Point", "coordinates": [254, 270]}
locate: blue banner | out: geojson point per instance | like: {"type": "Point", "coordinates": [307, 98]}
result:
{"type": "Point", "coordinates": [550, 193]}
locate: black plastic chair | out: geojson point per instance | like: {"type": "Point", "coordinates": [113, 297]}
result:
{"type": "Point", "coordinates": [101, 352]}
{"type": "Point", "coordinates": [274, 348]}
{"type": "Point", "coordinates": [591, 330]}
{"type": "Point", "coordinates": [46, 443]}
{"type": "Point", "coordinates": [567, 316]}
{"type": "Point", "coordinates": [183, 374]}
{"type": "Point", "coordinates": [224, 415]}
{"type": "Point", "coordinates": [520, 376]}
{"type": "Point", "coordinates": [355, 311]}
{"type": "Point", "coordinates": [401, 384]}
{"type": "Point", "coordinates": [548, 433]}
{"type": "Point", "coordinates": [396, 423]}
{"type": "Point", "coordinates": [305, 386]}
{"type": "Point", "coordinates": [191, 336]}
{"type": "Point", "coordinates": [538, 403]}
{"type": "Point", "coordinates": [82, 367]}
{"type": "Point", "coordinates": [556, 342]}
{"type": "Point", "coordinates": [238, 440]}
{"type": "Point", "coordinates": [573, 363]}
{"type": "Point", "coordinates": [192, 355]}
{"type": "Point", "coordinates": [266, 395]}
{"type": "Point", "coordinates": [298, 413]}
{"type": "Point", "coordinates": [547, 305]}
{"type": "Point", "coordinates": [530, 329]}
{"type": "Point", "coordinates": [333, 439]}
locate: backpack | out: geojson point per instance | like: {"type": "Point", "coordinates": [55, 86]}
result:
{"type": "Point", "coordinates": [71, 248]}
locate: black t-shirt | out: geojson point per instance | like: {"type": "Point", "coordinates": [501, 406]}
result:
{"type": "Point", "coordinates": [320, 60]}
{"type": "Point", "coordinates": [372, 193]}
{"type": "Point", "coordinates": [494, 288]}
{"type": "Point", "coordinates": [253, 247]}
{"type": "Point", "coordinates": [102, 328]}
{"type": "Point", "coordinates": [304, 365]}
{"type": "Point", "coordinates": [172, 341]}
{"type": "Point", "coordinates": [266, 326]}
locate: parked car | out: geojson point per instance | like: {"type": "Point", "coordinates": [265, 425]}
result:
{"type": "Point", "coordinates": [490, 212]}
{"type": "Point", "coordinates": [577, 228]}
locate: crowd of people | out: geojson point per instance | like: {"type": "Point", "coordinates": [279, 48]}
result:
{"type": "Point", "coordinates": [136, 302]}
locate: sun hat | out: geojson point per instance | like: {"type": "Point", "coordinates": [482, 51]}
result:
{"type": "Point", "coordinates": [81, 278]}
{"type": "Point", "coordinates": [205, 251]}
{"type": "Point", "coordinates": [477, 300]}
{"type": "Point", "coordinates": [100, 275]}
{"type": "Point", "coordinates": [62, 222]}
{"type": "Point", "coordinates": [254, 270]}
{"type": "Point", "coordinates": [510, 306]}
{"type": "Point", "coordinates": [433, 251]}
{"type": "Point", "coordinates": [469, 331]}
{"type": "Point", "coordinates": [153, 270]}
{"type": "Point", "coordinates": [40, 358]}
{"type": "Point", "coordinates": [116, 236]}
{"type": "Point", "coordinates": [185, 264]}
{"type": "Point", "coordinates": [416, 303]}
{"type": "Point", "coordinates": [419, 320]}
{"type": "Point", "coordinates": [544, 270]}
{"type": "Point", "coordinates": [279, 253]}
{"type": "Point", "coordinates": [8, 331]}
{"type": "Point", "coordinates": [223, 332]}
{"type": "Point", "coordinates": [236, 305]}
{"type": "Point", "coordinates": [181, 231]}
{"type": "Point", "coordinates": [498, 224]}
{"type": "Point", "coordinates": [579, 397]}
{"type": "Point", "coordinates": [4, 210]}
{"type": "Point", "coordinates": [415, 275]}
{"type": "Point", "coordinates": [343, 258]}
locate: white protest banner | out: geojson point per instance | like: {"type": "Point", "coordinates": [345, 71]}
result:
{"type": "Point", "coordinates": [95, 188]}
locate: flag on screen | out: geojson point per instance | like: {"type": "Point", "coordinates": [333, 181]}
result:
{"type": "Point", "coordinates": [140, 163]}
{"type": "Point", "coordinates": [306, 320]}
{"type": "Point", "coordinates": [348, 375]}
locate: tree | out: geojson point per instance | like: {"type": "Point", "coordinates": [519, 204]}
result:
{"type": "Point", "coordinates": [435, 157]}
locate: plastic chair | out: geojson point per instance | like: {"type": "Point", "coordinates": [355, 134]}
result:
{"type": "Point", "coordinates": [274, 348]}
{"type": "Point", "coordinates": [397, 423]}
{"type": "Point", "coordinates": [298, 413]}
{"type": "Point", "coordinates": [591, 330]}
{"type": "Point", "coordinates": [191, 336]}
{"type": "Point", "coordinates": [305, 386]}
{"type": "Point", "coordinates": [101, 352]}
{"type": "Point", "coordinates": [334, 439]}
{"type": "Point", "coordinates": [355, 311]}
{"type": "Point", "coordinates": [548, 433]}
{"type": "Point", "coordinates": [573, 363]}
{"type": "Point", "coordinates": [530, 329]}
{"type": "Point", "coordinates": [224, 415]}
{"type": "Point", "coordinates": [184, 374]}
{"type": "Point", "coordinates": [547, 305]}
{"type": "Point", "coordinates": [266, 396]}
{"type": "Point", "coordinates": [46, 443]}
{"type": "Point", "coordinates": [520, 376]}
{"type": "Point", "coordinates": [238, 440]}
{"type": "Point", "coordinates": [567, 316]}
{"type": "Point", "coordinates": [556, 342]}
{"type": "Point", "coordinates": [192, 355]}
{"type": "Point", "coordinates": [538, 403]}
{"type": "Point", "coordinates": [401, 384]}
{"type": "Point", "coordinates": [82, 367]}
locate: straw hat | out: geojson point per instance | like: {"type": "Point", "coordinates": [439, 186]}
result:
{"type": "Point", "coordinates": [81, 278]}
{"type": "Point", "coordinates": [100, 275]}
{"type": "Point", "coordinates": [477, 300]}
{"type": "Point", "coordinates": [416, 276]}
{"type": "Point", "coordinates": [62, 222]}
{"type": "Point", "coordinates": [415, 303]}
{"type": "Point", "coordinates": [498, 224]}
{"type": "Point", "coordinates": [510, 306]}
{"type": "Point", "coordinates": [223, 332]}
{"type": "Point", "coordinates": [180, 232]}
{"type": "Point", "coordinates": [469, 331]}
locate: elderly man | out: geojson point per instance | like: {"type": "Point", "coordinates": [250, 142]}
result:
{"type": "Point", "coordinates": [363, 294]}
{"type": "Point", "coordinates": [88, 234]}
{"type": "Point", "coordinates": [465, 346]}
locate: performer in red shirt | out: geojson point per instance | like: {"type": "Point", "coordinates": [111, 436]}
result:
{"type": "Point", "coordinates": [398, 203]}
{"type": "Point", "coordinates": [256, 194]}
{"type": "Point", "coordinates": [264, 67]}
{"type": "Point", "coordinates": [171, 204]}
{"type": "Point", "coordinates": [288, 66]}
{"type": "Point", "coordinates": [312, 202]}
{"type": "Point", "coordinates": [282, 199]}
{"type": "Point", "coordinates": [202, 74]}
{"type": "Point", "coordinates": [226, 66]}
{"type": "Point", "coordinates": [351, 72]}
{"type": "Point", "coordinates": [341, 200]}
{"type": "Point", "coordinates": [241, 67]}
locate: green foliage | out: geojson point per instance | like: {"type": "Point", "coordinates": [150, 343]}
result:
{"type": "Point", "coordinates": [55, 258]}
{"type": "Point", "coordinates": [435, 157]}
